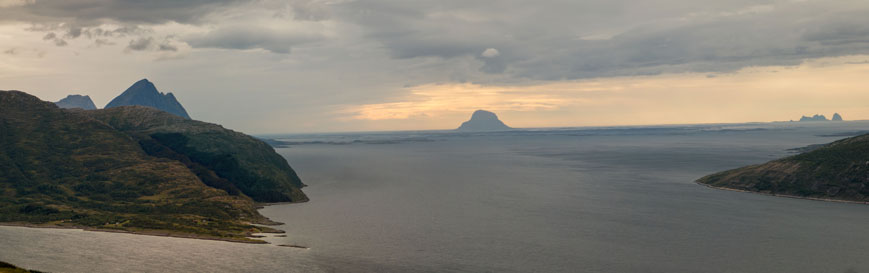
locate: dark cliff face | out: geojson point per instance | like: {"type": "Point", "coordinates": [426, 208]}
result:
{"type": "Point", "coordinates": [76, 101]}
{"type": "Point", "coordinates": [483, 120]}
{"type": "Point", "coordinates": [134, 168]}
{"type": "Point", "coordinates": [144, 93]}
{"type": "Point", "coordinates": [834, 171]}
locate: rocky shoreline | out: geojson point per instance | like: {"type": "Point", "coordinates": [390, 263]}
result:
{"type": "Point", "coordinates": [161, 233]}
{"type": "Point", "coordinates": [783, 195]}
{"type": "Point", "coordinates": [250, 237]}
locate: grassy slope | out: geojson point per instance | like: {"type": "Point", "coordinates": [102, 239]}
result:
{"type": "Point", "coordinates": [60, 167]}
{"type": "Point", "coordinates": [838, 171]}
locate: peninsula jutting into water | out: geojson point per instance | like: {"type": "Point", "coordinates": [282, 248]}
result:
{"type": "Point", "coordinates": [135, 169]}
{"type": "Point", "coordinates": [835, 172]}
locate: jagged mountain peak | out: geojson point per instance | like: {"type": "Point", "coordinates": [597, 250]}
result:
{"type": "Point", "coordinates": [145, 93]}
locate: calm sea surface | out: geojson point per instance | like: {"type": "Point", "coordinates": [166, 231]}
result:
{"type": "Point", "coordinates": [619, 199]}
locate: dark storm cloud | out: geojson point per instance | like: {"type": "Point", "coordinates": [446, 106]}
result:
{"type": "Point", "coordinates": [93, 12]}
{"type": "Point", "coordinates": [309, 10]}
{"type": "Point", "coordinates": [51, 36]}
{"type": "Point", "coordinates": [73, 33]}
{"type": "Point", "coordinates": [548, 40]}
{"type": "Point", "coordinates": [77, 18]}
{"type": "Point", "coordinates": [250, 37]}
{"type": "Point", "coordinates": [571, 39]}
{"type": "Point", "coordinates": [167, 47]}
{"type": "Point", "coordinates": [147, 43]}
{"type": "Point", "coordinates": [102, 42]}
{"type": "Point", "coordinates": [140, 43]}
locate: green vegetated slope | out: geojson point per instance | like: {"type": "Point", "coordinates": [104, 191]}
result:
{"type": "Point", "coordinates": [838, 171]}
{"type": "Point", "coordinates": [134, 169]}
{"type": "Point", "coordinates": [250, 164]}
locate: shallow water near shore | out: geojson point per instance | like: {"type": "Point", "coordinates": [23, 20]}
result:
{"type": "Point", "coordinates": [619, 199]}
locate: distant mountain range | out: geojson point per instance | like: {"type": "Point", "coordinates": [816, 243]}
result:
{"type": "Point", "coordinates": [144, 93]}
{"type": "Point", "coordinates": [76, 101]}
{"type": "Point", "coordinates": [836, 171]}
{"type": "Point", "coordinates": [483, 120]}
{"type": "Point", "coordinates": [135, 169]}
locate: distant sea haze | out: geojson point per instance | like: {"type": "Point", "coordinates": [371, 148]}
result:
{"type": "Point", "coordinates": [567, 200]}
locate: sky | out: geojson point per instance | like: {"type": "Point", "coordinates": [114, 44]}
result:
{"type": "Point", "coordinates": [266, 66]}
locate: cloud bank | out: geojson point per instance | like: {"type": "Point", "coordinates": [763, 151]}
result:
{"type": "Point", "coordinates": [320, 55]}
{"type": "Point", "coordinates": [542, 40]}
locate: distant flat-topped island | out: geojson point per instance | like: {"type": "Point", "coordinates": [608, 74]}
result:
{"type": "Point", "coordinates": [483, 120]}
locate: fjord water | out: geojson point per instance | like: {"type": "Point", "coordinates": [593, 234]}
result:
{"type": "Point", "coordinates": [548, 200]}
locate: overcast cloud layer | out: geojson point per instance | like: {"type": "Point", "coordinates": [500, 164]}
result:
{"type": "Point", "coordinates": [316, 56]}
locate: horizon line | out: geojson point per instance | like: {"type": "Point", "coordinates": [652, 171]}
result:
{"type": "Point", "coordinates": [557, 127]}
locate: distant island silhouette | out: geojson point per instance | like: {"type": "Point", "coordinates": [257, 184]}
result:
{"type": "Point", "coordinates": [836, 117]}
{"type": "Point", "coordinates": [483, 120]}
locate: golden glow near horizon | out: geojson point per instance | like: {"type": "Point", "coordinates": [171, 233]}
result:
{"type": "Point", "coordinates": [434, 99]}
{"type": "Point", "coordinates": [820, 86]}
